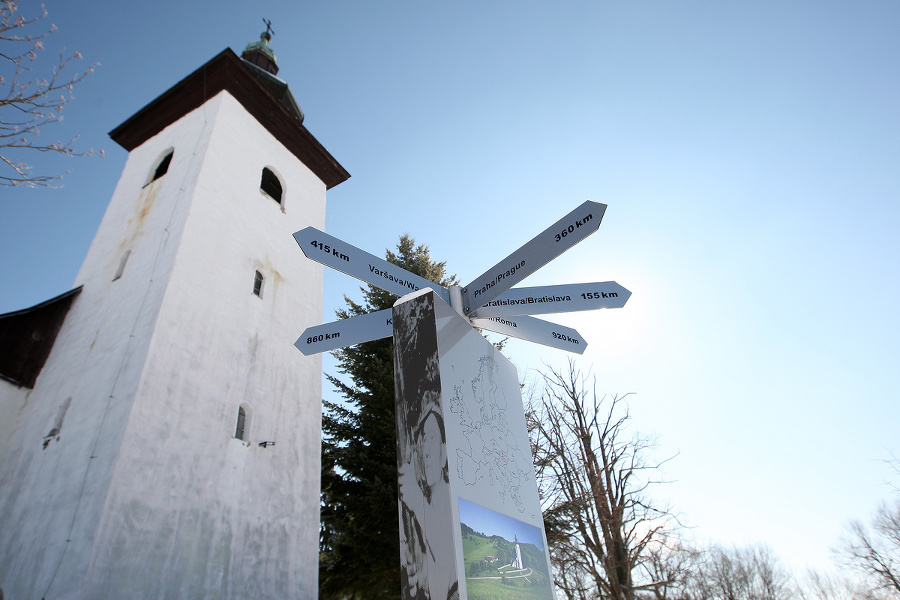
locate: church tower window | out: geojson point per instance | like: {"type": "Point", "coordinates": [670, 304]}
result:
{"type": "Point", "coordinates": [257, 284]}
{"type": "Point", "coordinates": [162, 166]}
{"type": "Point", "coordinates": [271, 185]}
{"type": "Point", "coordinates": [243, 425]}
{"type": "Point", "coordinates": [121, 269]}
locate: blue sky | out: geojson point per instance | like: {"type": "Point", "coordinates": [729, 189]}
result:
{"type": "Point", "coordinates": [748, 153]}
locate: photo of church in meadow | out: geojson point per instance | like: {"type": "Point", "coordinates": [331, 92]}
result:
{"type": "Point", "coordinates": [503, 556]}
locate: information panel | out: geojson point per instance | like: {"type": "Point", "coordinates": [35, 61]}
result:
{"type": "Point", "coordinates": [470, 515]}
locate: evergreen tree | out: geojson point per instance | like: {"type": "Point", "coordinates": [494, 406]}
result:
{"type": "Point", "coordinates": [359, 546]}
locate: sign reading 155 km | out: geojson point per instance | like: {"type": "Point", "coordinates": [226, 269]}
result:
{"type": "Point", "coordinates": [488, 301]}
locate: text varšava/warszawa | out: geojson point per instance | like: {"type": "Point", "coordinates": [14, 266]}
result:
{"type": "Point", "coordinates": [389, 277]}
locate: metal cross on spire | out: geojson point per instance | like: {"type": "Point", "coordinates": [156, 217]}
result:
{"type": "Point", "coordinates": [269, 30]}
{"type": "Point", "coordinates": [488, 302]}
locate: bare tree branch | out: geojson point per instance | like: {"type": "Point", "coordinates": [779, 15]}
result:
{"type": "Point", "coordinates": [740, 573]}
{"type": "Point", "coordinates": [819, 586]}
{"type": "Point", "coordinates": [875, 552]}
{"type": "Point", "coordinates": [29, 103]}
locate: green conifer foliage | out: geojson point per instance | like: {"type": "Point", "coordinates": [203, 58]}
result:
{"type": "Point", "coordinates": [359, 545]}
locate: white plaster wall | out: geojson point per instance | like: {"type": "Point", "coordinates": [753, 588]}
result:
{"type": "Point", "coordinates": [13, 399]}
{"type": "Point", "coordinates": [50, 505]}
{"type": "Point", "coordinates": [198, 513]}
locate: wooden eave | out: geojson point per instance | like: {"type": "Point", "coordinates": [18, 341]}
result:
{"type": "Point", "coordinates": [27, 336]}
{"type": "Point", "coordinates": [228, 72]}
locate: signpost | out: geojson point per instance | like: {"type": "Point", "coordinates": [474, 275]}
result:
{"type": "Point", "coordinates": [463, 453]}
{"type": "Point", "coordinates": [487, 301]}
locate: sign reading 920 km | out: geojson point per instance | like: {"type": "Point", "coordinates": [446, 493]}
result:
{"type": "Point", "coordinates": [346, 258]}
{"type": "Point", "coordinates": [535, 330]}
{"type": "Point", "coordinates": [547, 245]}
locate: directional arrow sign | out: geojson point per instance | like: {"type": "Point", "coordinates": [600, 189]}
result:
{"type": "Point", "coordinates": [337, 254]}
{"type": "Point", "coordinates": [555, 299]}
{"type": "Point", "coordinates": [535, 330]}
{"type": "Point", "coordinates": [346, 332]}
{"type": "Point", "coordinates": [553, 241]}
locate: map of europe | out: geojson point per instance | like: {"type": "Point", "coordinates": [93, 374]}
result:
{"type": "Point", "coordinates": [493, 453]}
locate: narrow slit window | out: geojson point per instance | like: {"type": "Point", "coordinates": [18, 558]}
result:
{"type": "Point", "coordinates": [240, 430]}
{"type": "Point", "coordinates": [162, 167]}
{"type": "Point", "coordinates": [271, 185]}
{"type": "Point", "coordinates": [257, 284]}
{"type": "Point", "coordinates": [122, 262]}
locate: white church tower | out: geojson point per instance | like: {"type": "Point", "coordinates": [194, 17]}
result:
{"type": "Point", "coordinates": [517, 563]}
{"type": "Point", "coordinates": [161, 439]}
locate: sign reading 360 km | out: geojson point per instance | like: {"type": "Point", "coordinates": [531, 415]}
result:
{"type": "Point", "coordinates": [553, 241]}
{"type": "Point", "coordinates": [488, 301]}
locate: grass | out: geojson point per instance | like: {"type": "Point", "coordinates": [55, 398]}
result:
{"type": "Point", "coordinates": [478, 548]}
{"type": "Point", "coordinates": [495, 589]}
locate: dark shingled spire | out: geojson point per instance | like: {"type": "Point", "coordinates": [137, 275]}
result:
{"type": "Point", "coordinates": [261, 59]}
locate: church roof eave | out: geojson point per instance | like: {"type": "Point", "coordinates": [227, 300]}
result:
{"type": "Point", "coordinates": [27, 336]}
{"type": "Point", "coordinates": [278, 87]}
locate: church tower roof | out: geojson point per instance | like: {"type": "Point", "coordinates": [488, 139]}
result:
{"type": "Point", "coordinates": [260, 54]}
{"type": "Point", "coordinates": [260, 92]}
{"type": "Point", "coordinates": [262, 62]}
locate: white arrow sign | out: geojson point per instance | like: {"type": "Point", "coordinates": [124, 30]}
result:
{"type": "Point", "coordinates": [555, 299]}
{"type": "Point", "coordinates": [535, 330]}
{"type": "Point", "coordinates": [553, 241]}
{"type": "Point", "coordinates": [346, 332]}
{"type": "Point", "coordinates": [488, 300]}
{"type": "Point", "coordinates": [337, 254]}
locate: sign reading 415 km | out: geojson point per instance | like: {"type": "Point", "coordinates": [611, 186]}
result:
{"type": "Point", "coordinates": [489, 301]}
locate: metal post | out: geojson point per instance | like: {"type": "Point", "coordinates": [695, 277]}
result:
{"type": "Point", "coordinates": [456, 299]}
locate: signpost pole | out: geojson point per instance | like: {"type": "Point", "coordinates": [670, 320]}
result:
{"type": "Point", "coordinates": [456, 299]}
